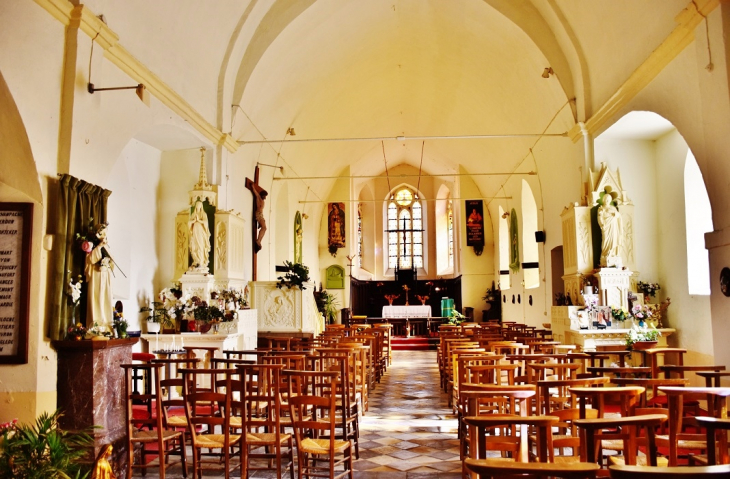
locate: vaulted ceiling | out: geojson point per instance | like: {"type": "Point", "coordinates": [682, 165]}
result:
{"type": "Point", "coordinates": [388, 68]}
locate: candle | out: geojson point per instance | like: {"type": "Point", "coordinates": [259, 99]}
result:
{"type": "Point", "coordinates": [157, 342]}
{"type": "Point", "coordinates": [173, 344]}
{"type": "Point", "coordinates": [182, 342]}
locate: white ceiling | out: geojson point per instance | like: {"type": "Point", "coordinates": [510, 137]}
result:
{"type": "Point", "coordinates": [639, 125]}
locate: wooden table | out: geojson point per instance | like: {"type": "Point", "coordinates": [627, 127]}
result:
{"type": "Point", "coordinates": [602, 354]}
{"type": "Point", "coordinates": [668, 370]}
{"type": "Point", "coordinates": [716, 405]}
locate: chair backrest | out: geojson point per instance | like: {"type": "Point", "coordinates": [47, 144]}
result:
{"type": "Point", "coordinates": [152, 419]}
{"type": "Point", "coordinates": [310, 401]}
{"type": "Point", "coordinates": [207, 411]}
{"type": "Point", "coordinates": [629, 432]}
{"type": "Point", "coordinates": [260, 396]}
{"type": "Point", "coordinates": [479, 426]}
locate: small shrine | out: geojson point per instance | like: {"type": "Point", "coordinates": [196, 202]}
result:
{"type": "Point", "coordinates": [599, 263]}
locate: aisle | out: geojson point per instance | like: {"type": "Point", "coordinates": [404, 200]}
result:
{"type": "Point", "coordinates": [409, 429]}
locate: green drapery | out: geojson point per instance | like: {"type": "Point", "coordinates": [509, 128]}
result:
{"type": "Point", "coordinates": [514, 248]}
{"type": "Point", "coordinates": [77, 203]}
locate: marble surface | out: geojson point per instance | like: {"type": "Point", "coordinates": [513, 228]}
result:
{"type": "Point", "coordinates": [91, 392]}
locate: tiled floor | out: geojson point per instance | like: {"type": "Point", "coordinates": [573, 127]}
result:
{"type": "Point", "coordinates": [409, 431]}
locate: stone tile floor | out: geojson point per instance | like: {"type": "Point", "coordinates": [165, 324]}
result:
{"type": "Point", "coordinates": [409, 431]}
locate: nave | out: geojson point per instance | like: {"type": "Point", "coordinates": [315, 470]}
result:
{"type": "Point", "coordinates": [409, 430]}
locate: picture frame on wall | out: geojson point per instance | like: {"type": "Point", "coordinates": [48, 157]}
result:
{"type": "Point", "coordinates": [16, 228]}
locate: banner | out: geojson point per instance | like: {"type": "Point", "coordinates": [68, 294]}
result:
{"type": "Point", "coordinates": [474, 223]}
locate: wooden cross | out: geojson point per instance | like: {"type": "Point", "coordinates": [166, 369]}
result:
{"type": "Point", "coordinates": [258, 225]}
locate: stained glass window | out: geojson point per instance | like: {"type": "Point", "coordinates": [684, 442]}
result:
{"type": "Point", "coordinates": [405, 230]}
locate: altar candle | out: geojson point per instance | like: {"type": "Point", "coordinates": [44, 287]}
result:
{"type": "Point", "coordinates": [182, 342]}
{"type": "Point", "coordinates": [173, 344]}
{"type": "Point", "coordinates": [157, 342]}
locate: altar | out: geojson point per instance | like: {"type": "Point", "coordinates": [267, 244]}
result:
{"type": "Point", "coordinates": [419, 311]}
{"type": "Point", "coordinates": [243, 336]}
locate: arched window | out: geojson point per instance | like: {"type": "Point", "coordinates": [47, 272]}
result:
{"type": "Point", "coordinates": [444, 216]}
{"type": "Point", "coordinates": [698, 218]}
{"type": "Point", "coordinates": [405, 230]}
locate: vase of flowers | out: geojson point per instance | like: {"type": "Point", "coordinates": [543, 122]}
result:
{"type": "Point", "coordinates": [74, 296]}
{"type": "Point", "coordinates": [391, 298]}
{"type": "Point", "coordinates": [648, 289]}
{"type": "Point", "coordinates": [76, 332]}
{"type": "Point", "coordinates": [641, 313]}
{"type": "Point", "coordinates": [120, 325]}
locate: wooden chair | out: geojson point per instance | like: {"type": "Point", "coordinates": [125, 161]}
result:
{"type": "Point", "coordinates": [716, 402]}
{"type": "Point", "coordinates": [343, 361]}
{"type": "Point", "coordinates": [314, 401]}
{"type": "Point", "coordinates": [639, 472]}
{"type": "Point", "coordinates": [554, 394]}
{"type": "Point", "coordinates": [146, 427]}
{"type": "Point", "coordinates": [209, 418]}
{"type": "Point", "coordinates": [592, 432]}
{"type": "Point", "coordinates": [260, 420]}
{"type": "Point", "coordinates": [717, 452]}
{"type": "Point", "coordinates": [171, 388]}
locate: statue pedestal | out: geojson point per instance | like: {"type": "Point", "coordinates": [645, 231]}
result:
{"type": "Point", "coordinates": [196, 284]}
{"type": "Point", "coordinates": [286, 310]}
{"type": "Point", "coordinates": [91, 392]}
{"type": "Point", "coordinates": [613, 287]}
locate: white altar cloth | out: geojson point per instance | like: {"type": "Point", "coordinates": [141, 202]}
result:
{"type": "Point", "coordinates": [418, 311]}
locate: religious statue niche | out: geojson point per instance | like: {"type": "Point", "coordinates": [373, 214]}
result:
{"type": "Point", "coordinates": [335, 277]}
{"type": "Point", "coordinates": [606, 219]}
{"type": "Point", "coordinates": [201, 227]}
{"type": "Point", "coordinates": [335, 227]}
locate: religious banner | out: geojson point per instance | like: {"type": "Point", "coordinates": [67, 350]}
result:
{"type": "Point", "coordinates": [474, 223]}
{"type": "Point", "coordinates": [336, 225]}
{"type": "Point", "coordinates": [16, 220]}
{"type": "Point", "coordinates": [514, 247]}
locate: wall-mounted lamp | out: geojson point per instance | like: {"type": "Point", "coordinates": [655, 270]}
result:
{"type": "Point", "coordinates": [291, 132]}
{"type": "Point", "coordinates": [142, 92]}
{"type": "Point", "coordinates": [547, 72]}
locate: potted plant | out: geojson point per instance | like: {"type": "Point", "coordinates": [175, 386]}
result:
{"type": "Point", "coordinates": [206, 316]}
{"type": "Point", "coordinates": [158, 316]}
{"type": "Point", "coordinates": [328, 306]}
{"type": "Point", "coordinates": [296, 275]}
{"type": "Point", "coordinates": [642, 338]}
{"type": "Point", "coordinates": [120, 325]}
{"type": "Point", "coordinates": [456, 317]}
{"type": "Point", "coordinates": [42, 450]}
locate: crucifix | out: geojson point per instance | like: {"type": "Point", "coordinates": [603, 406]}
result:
{"type": "Point", "coordinates": [258, 226]}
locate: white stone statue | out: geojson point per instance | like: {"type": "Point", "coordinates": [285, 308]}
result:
{"type": "Point", "coordinates": [609, 220]}
{"type": "Point", "coordinates": [98, 270]}
{"type": "Point", "coordinates": [199, 238]}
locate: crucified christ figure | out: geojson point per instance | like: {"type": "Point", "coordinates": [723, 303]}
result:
{"type": "Point", "coordinates": [259, 195]}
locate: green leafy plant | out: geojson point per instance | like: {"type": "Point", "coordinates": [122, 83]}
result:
{"type": "Point", "coordinates": [296, 275]}
{"type": "Point", "coordinates": [209, 314]}
{"type": "Point", "coordinates": [158, 314]}
{"type": "Point", "coordinates": [637, 334]}
{"type": "Point", "coordinates": [456, 317]}
{"type": "Point", "coordinates": [327, 305]}
{"type": "Point", "coordinates": [43, 450]}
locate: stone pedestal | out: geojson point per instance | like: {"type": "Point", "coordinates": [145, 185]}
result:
{"type": "Point", "coordinates": [91, 392]}
{"type": "Point", "coordinates": [196, 284]}
{"type": "Point", "coordinates": [613, 287]}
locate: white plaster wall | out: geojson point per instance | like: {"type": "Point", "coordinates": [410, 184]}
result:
{"type": "Point", "coordinates": [637, 163]}
{"type": "Point", "coordinates": [133, 226]}
{"type": "Point", "coordinates": [690, 314]}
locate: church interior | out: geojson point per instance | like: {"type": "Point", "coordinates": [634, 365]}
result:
{"type": "Point", "coordinates": [398, 142]}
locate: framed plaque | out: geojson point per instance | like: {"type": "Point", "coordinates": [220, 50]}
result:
{"type": "Point", "coordinates": [16, 222]}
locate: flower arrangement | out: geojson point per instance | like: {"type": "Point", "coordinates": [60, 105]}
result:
{"type": "Point", "coordinates": [639, 334]}
{"type": "Point", "coordinates": [422, 299]}
{"type": "Point", "coordinates": [591, 304]}
{"type": "Point", "coordinates": [97, 330]}
{"type": "Point", "coordinates": [391, 298]}
{"type": "Point", "coordinates": [227, 296]}
{"type": "Point", "coordinates": [74, 290]}
{"type": "Point", "coordinates": [296, 275]}
{"type": "Point", "coordinates": [120, 324]}
{"type": "Point", "coordinates": [76, 332]}
{"type": "Point", "coordinates": [641, 312]}
{"type": "Point", "coordinates": [619, 314]}
{"type": "Point", "coordinates": [649, 289]}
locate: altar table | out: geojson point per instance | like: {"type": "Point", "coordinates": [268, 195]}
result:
{"type": "Point", "coordinates": [419, 311]}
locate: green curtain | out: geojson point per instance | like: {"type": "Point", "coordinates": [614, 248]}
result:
{"type": "Point", "coordinates": [77, 203]}
{"type": "Point", "coordinates": [514, 248]}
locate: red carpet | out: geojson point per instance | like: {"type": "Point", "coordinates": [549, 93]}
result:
{"type": "Point", "coordinates": [416, 343]}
